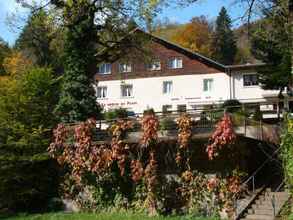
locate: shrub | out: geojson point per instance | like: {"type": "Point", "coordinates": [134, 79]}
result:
{"type": "Point", "coordinates": [150, 111]}
{"type": "Point", "coordinates": [168, 124]}
{"type": "Point", "coordinates": [116, 113]}
{"type": "Point", "coordinates": [257, 115]}
{"type": "Point", "coordinates": [231, 105]}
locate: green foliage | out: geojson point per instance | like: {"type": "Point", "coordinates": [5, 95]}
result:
{"type": "Point", "coordinates": [116, 113]}
{"type": "Point", "coordinates": [287, 153]}
{"type": "Point", "coordinates": [77, 100]}
{"type": "Point", "coordinates": [41, 40]}
{"type": "Point", "coordinates": [28, 177]}
{"type": "Point", "coordinates": [257, 115]}
{"type": "Point", "coordinates": [224, 42]}
{"type": "Point", "coordinates": [168, 124]}
{"type": "Point", "coordinates": [231, 105]}
{"type": "Point", "coordinates": [149, 111]}
{"type": "Point", "coordinates": [4, 52]}
{"type": "Point", "coordinates": [99, 216]}
{"type": "Point", "coordinates": [272, 43]}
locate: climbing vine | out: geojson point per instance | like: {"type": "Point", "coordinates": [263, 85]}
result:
{"type": "Point", "coordinates": [117, 165]}
{"type": "Point", "coordinates": [223, 135]}
{"type": "Point", "coordinates": [150, 126]}
{"type": "Point", "coordinates": [184, 137]}
{"type": "Point", "coordinates": [287, 152]}
{"type": "Point", "coordinates": [120, 150]}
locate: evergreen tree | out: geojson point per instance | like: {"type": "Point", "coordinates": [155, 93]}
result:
{"type": "Point", "coordinates": [224, 43]}
{"type": "Point", "coordinates": [272, 43]}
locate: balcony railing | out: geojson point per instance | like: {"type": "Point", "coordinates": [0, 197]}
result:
{"type": "Point", "coordinates": [203, 123]}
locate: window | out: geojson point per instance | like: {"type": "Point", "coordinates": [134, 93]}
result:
{"type": "Point", "coordinates": [105, 68]}
{"type": "Point", "coordinates": [175, 63]}
{"type": "Point", "coordinates": [126, 90]}
{"type": "Point", "coordinates": [181, 108]}
{"type": "Point", "coordinates": [167, 109]}
{"type": "Point", "coordinates": [125, 67]}
{"type": "Point", "coordinates": [208, 85]}
{"type": "Point", "coordinates": [154, 65]}
{"type": "Point", "coordinates": [101, 92]}
{"type": "Point", "coordinates": [250, 80]}
{"type": "Point", "coordinates": [167, 87]}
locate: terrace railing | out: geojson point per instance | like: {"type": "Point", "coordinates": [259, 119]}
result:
{"type": "Point", "coordinates": [203, 122]}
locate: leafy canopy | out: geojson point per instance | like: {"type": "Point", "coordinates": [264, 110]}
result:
{"type": "Point", "coordinates": [41, 40]}
{"type": "Point", "coordinates": [195, 35]}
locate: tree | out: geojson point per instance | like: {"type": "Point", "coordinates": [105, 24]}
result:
{"type": "Point", "coordinates": [41, 40]}
{"type": "Point", "coordinates": [195, 36]}
{"type": "Point", "coordinates": [272, 43]}
{"type": "Point", "coordinates": [28, 177]}
{"type": "Point", "coordinates": [16, 63]}
{"type": "Point", "coordinates": [4, 52]}
{"type": "Point", "coordinates": [77, 99]}
{"type": "Point", "coordinates": [224, 43]}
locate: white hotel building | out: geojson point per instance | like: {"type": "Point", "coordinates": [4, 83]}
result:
{"type": "Point", "coordinates": [175, 78]}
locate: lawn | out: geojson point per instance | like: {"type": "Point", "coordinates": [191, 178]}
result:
{"type": "Point", "coordinates": [101, 216]}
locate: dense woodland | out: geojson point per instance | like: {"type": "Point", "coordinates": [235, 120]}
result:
{"type": "Point", "coordinates": [46, 79]}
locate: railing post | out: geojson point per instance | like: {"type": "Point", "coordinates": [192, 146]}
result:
{"type": "Point", "coordinates": [253, 184]}
{"type": "Point", "coordinates": [261, 127]}
{"type": "Point", "coordinates": [245, 125]}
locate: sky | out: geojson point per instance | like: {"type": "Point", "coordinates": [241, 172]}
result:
{"type": "Point", "coordinates": [209, 8]}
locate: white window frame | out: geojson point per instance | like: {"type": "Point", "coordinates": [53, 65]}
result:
{"type": "Point", "coordinates": [175, 63]}
{"type": "Point", "coordinates": [210, 85]}
{"type": "Point", "coordinates": [249, 74]}
{"type": "Point", "coordinates": [102, 94]}
{"type": "Point", "coordinates": [154, 65]}
{"type": "Point", "coordinates": [129, 93]}
{"type": "Point", "coordinates": [167, 87]}
{"type": "Point", "coordinates": [125, 67]}
{"type": "Point", "coordinates": [103, 68]}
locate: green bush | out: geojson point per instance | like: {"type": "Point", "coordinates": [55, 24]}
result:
{"type": "Point", "coordinates": [257, 115]}
{"type": "Point", "coordinates": [287, 153]}
{"type": "Point", "coordinates": [149, 111]}
{"type": "Point", "coordinates": [231, 105]}
{"type": "Point", "coordinates": [168, 124]}
{"type": "Point", "coordinates": [115, 113]}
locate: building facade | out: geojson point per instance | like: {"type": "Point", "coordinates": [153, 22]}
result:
{"type": "Point", "coordinates": [174, 78]}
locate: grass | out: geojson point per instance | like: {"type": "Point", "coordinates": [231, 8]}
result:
{"type": "Point", "coordinates": [97, 216]}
